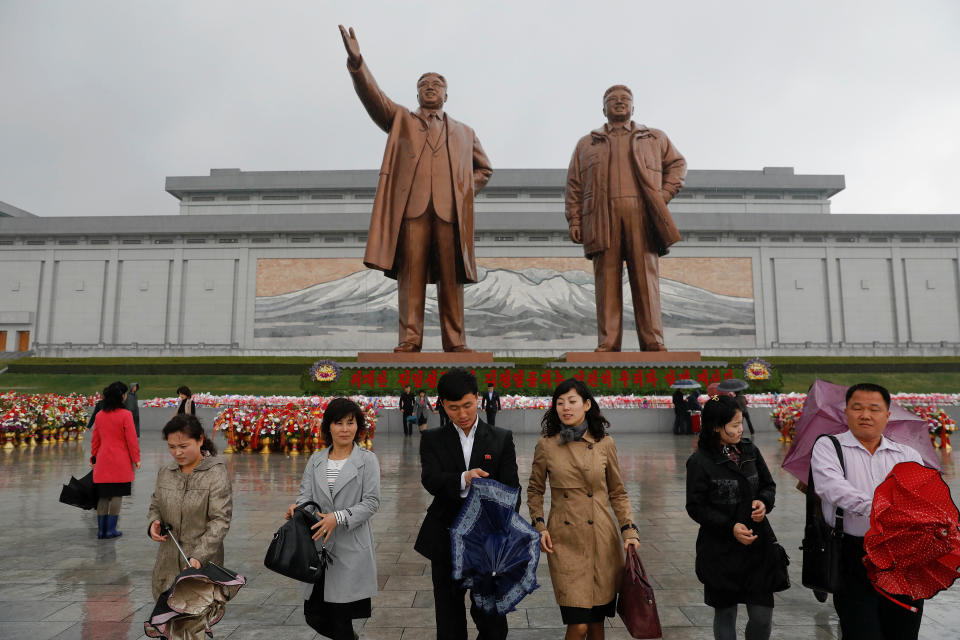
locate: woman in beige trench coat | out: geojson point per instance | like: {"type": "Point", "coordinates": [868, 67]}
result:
{"type": "Point", "coordinates": [581, 539]}
{"type": "Point", "coordinates": [193, 496]}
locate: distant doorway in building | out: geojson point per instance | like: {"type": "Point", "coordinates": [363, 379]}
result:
{"type": "Point", "coordinates": [3, 340]}
{"type": "Point", "coordinates": [23, 340]}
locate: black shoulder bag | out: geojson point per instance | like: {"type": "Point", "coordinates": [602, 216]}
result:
{"type": "Point", "coordinates": [292, 551]}
{"type": "Point", "coordinates": [822, 544]}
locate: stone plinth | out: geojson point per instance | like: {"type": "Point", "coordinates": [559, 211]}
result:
{"type": "Point", "coordinates": [425, 357]}
{"type": "Point", "coordinates": [614, 357]}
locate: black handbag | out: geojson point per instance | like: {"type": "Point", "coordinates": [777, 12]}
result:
{"type": "Point", "coordinates": [822, 544]}
{"type": "Point", "coordinates": [774, 562]}
{"type": "Point", "coordinates": [293, 553]}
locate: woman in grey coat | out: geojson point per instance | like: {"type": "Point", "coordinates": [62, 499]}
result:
{"type": "Point", "coordinates": [344, 480]}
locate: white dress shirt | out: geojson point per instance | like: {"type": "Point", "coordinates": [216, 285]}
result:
{"type": "Point", "coordinates": [466, 443]}
{"type": "Point", "coordinates": [854, 493]}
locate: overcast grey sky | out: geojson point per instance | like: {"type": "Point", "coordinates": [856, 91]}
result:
{"type": "Point", "coordinates": [102, 100]}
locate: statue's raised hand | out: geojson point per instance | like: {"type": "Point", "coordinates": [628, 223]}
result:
{"type": "Point", "coordinates": [351, 45]}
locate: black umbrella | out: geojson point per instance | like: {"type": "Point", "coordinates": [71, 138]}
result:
{"type": "Point", "coordinates": [80, 493]}
{"type": "Point", "coordinates": [195, 602]}
{"type": "Point", "coordinates": [733, 385]}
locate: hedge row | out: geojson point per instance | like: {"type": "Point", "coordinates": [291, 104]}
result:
{"type": "Point", "coordinates": [532, 380]}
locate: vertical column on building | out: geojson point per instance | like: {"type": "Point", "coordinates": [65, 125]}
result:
{"type": "Point", "coordinates": [242, 306]}
{"type": "Point", "coordinates": [902, 330]}
{"type": "Point", "coordinates": [834, 296]}
{"type": "Point", "coordinates": [762, 300]}
{"type": "Point", "coordinates": [109, 304]}
{"type": "Point", "coordinates": [43, 324]}
{"type": "Point", "coordinates": [174, 299]}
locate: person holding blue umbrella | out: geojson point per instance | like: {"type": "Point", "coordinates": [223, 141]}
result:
{"type": "Point", "coordinates": [584, 545]}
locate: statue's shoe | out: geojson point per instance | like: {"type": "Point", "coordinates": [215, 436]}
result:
{"type": "Point", "coordinates": [406, 347]}
{"type": "Point", "coordinates": [461, 349]}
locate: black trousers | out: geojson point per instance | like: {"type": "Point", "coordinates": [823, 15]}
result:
{"type": "Point", "coordinates": [452, 614]}
{"type": "Point", "coordinates": [864, 613]}
{"type": "Point", "coordinates": [492, 417]}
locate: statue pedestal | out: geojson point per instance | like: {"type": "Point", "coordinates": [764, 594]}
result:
{"type": "Point", "coordinates": [631, 357]}
{"type": "Point", "coordinates": [425, 357]}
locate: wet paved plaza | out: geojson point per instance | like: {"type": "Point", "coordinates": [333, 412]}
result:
{"type": "Point", "coordinates": [58, 581]}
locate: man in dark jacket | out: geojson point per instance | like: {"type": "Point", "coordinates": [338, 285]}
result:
{"type": "Point", "coordinates": [406, 408]}
{"type": "Point", "coordinates": [450, 458]}
{"type": "Point", "coordinates": [491, 404]}
{"type": "Point", "coordinates": [131, 405]}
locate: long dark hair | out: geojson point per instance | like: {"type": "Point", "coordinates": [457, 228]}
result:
{"type": "Point", "coordinates": [113, 396]}
{"type": "Point", "coordinates": [189, 425]}
{"type": "Point", "coordinates": [337, 410]}
{"type": "Point", "coordinates": [596, 423]}
{"type": "Point", "coordinates": [717, 413]}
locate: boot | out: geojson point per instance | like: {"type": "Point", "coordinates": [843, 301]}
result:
{"type": "Point", "coordinates": [101, 527]}
{"type": "Point", "coordinates": [111, 531]}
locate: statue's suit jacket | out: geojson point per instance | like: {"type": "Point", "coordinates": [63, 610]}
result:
{"type": "Point", "coordinates": [659, 169]}
{"type": "Point", "coordinates": [469, 168]}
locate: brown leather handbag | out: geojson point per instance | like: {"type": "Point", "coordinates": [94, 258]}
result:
{"type": "Point", "coordinates": [636, 605]}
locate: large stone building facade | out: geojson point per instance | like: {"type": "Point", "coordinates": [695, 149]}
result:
{"type": "Point", "coordinates": [271, 263]}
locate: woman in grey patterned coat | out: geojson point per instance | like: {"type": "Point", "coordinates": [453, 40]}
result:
{"type": "Point", "coordinates": [193, 496]}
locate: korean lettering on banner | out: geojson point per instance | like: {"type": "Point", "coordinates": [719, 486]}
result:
{"type": "Point", "coordinates": [403, 379]}
{"type": "Point", "coordinates": [356, 378]}
{"type": "Point", "coordinates": [382, 378]}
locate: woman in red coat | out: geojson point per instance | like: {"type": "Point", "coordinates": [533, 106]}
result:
{"type": "Point", "coordinates": [114, 453]}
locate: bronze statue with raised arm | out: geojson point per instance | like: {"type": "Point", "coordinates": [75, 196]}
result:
{"type": "Point", "coordinates": [421, 228]}
{"type": "Point", "coordinates": [620, 179]}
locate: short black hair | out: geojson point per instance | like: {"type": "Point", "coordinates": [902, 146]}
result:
{"type": "Point", "coordinates": [717, 413]}
{"type": "Point", "coordinates": [597, 425]}
{"type": "Point", "coordinates": [113, 396]}
{"type": "Point", "coordinates": [871, 388]}
{"type": "Point", "coordinates": [185, 390]}
{"type": "Point", "coordinates": [337, 410]}
{"type": "Point", "coordinates": [455, 384]}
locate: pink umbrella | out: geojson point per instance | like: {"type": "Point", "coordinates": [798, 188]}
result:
{"type": "Point", "coordinates": [823, 414]}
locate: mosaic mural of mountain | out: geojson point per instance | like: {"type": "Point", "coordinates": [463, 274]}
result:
{"type": "Point", "coordinates": [507, 310]}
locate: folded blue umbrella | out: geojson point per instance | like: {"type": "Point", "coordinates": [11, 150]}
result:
{"type": "Point", "coordinates": [494, 551]}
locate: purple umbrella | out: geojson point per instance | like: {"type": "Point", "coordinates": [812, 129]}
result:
{"type": "Point", "coordinates": [823, 414]}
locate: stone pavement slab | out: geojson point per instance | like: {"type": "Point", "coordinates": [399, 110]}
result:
{"type": "Point", "coordinates": [58, 581]}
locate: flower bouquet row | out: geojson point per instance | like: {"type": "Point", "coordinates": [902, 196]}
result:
{"type": "Point", "coordinates": [34, 419]}
{"type": "Point", "coordinates": [290, 428]}
{"type": "Point", "coordinates": [939, 423]}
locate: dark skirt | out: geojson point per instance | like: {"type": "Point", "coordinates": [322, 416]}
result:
{"type": "Point", "coordinates": [112, 489]}
{"type": "Point", "coordinates": [721, 599]}
{"type": "Point", "coordinates": [333, 619]}
{"type": "Point", "coordinates": [583, 615]}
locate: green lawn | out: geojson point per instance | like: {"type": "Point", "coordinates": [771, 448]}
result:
{"type": "Point", "coordinates": [163, 386]}
{"type": "Point", "coordinates": [946, 382]}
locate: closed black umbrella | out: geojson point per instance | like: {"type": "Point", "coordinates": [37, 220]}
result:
{"type": "Point", "coordinates": [80, 493]}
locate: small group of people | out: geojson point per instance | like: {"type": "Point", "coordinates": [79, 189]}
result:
{"type": "Point", "coordinates": [730, 491]}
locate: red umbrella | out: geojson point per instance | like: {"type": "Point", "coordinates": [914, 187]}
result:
{"type": "Point", "coordinates": [913, 545]}
{"type": "Point", "coordinates": [823, 414]}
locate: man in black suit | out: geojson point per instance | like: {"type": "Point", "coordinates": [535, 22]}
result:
{"type": "Point", "coordinates": [491, 404]}
{"type": "Point", "coordinates": [450, 458]}
{"type": "Point", "coordinates": [406, 407]}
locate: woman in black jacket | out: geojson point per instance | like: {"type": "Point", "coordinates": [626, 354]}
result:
{"type": "Point", "coordinates": [729, 493]}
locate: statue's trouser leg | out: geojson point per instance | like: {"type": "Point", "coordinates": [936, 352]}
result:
{"type": "Point", "coordinates": [643, 270]}
{"type": "Point", "coordinates": [413, 254]}
{"type": "Point", "coordinates": [608, 285]}
{"type": "Point", "coordinates": [443, 251]}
